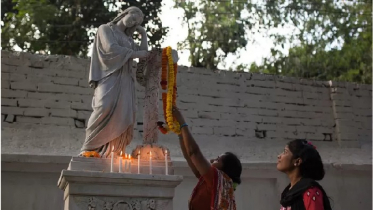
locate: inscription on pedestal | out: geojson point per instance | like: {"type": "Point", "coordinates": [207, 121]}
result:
{"type": "Point", "coordinates": [109, 203]}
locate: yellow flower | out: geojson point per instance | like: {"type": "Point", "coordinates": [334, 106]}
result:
{"type": "Point", "coordinates": [171, 123]}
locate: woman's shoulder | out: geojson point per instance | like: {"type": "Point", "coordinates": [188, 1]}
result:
{"type": "Point", "coordinates": [226, 176]}
{"type": "Point", "coordinates": [313, 198]}
{"type": "Point", "coordinates": [314, 190]}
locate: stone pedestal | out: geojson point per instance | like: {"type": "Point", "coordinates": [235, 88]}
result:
{"type": "Point", "coordinates": [89, 184]}
{"type": "Point", "coordinates": [94, 190]}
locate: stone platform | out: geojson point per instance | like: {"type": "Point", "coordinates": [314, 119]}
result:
{"type": "Point", "coordinates": [103, 165]}
{"type": "Point", "coordinates": [115, 191]}
{"type": "Point", "coordinates": [89, 184]}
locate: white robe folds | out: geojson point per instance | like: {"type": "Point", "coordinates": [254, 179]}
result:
{"type": "Point", "coordinates": [112, 120]}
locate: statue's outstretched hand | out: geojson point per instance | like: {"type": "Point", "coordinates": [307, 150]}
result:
{"type": "Point", "coordinates": [177, 115]}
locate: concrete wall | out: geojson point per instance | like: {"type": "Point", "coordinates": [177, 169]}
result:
{"type": "Point", "coordinates": [30, 182]}
{"type": "Point", "coordinates": [49, 96]}
{"type": "Point", "coordinates": [46, 104]}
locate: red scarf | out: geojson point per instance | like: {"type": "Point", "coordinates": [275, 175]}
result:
{"type": "Point", "coordinates": [222, 193]}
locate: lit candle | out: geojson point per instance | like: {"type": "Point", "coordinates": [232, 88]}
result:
{"type": "Point", "coordinates": [120, 162]}
{"type": "Point", "coordinates": [129, 164]}
{"type": "Point", "coordinates": [150, 163]}
{"type": "Point", "coordinates": [125, 163]}
{"type": "Point", "coordinates": [166, 161]}
{"type": "Point", "coordinates": [138, 163]}
{"type": "Point", "coordinates": [112, 160]}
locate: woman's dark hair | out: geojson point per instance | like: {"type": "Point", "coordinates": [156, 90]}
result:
{"type": "Point", "coordinates": [232, 167]}
{"type": "Point", "coordinates": [311, 166]}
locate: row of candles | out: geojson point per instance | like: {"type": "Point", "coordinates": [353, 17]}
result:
{"type": "Point", "coordinates": [128, 160]}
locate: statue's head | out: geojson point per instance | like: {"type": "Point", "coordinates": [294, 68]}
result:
{"type": "Point", "coordinates": [131, 18]}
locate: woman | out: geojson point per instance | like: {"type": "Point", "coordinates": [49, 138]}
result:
{"type": "Point", "coordinates": [217, 181]}
{"type": "Point", "coordinates": [302, 163]}
{"type": "Point", "coordinates": [111, 123]}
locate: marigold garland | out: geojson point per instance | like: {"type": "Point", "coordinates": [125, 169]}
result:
{"type": "Point", "coordinates": [169, 98]}
{"type": "Point", "coordinates": [90, 154]}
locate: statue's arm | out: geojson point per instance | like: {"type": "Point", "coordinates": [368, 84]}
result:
{"type": "Point", "coordinates": [144, 38]}
{"type": "Point", "coordinates": [109, 45]}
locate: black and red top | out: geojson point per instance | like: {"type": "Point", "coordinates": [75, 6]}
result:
{"type": "Point", "coordinates": [312, 199]}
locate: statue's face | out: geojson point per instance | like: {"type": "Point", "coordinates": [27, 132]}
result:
{"type": "Point", "coordinates": [132, 19]}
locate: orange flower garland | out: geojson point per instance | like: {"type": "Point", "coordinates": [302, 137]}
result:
{"type": "Point", "coordinates": [90, 154]}
{"type": "Point", "coordinates": [169, 98]}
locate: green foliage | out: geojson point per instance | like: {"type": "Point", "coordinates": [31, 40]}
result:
{"type": "Point", "coordinates": [347, 25]}
{"type": "Point", "coordinates": [220, 28]}
{"type": "Point", "coordinates": [67, 26]}
{"type": "Point", "coordinates": [353, 62]}
{"type": "Point", "coordinates": [334, 38]}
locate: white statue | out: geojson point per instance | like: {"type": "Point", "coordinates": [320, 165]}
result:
{"type": "Point", "coordinates": [112, 121]}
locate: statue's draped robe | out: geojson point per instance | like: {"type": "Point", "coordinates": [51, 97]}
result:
{"type": "Point", "coordinates": [112, 120]}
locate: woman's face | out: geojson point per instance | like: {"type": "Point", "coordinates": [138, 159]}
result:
{"type": "Point", "coordinates": [132, 19]}
{"type": "Point", "coordinates": [285, 161]}
{"type": "Point", "coordinates": [218, 162]}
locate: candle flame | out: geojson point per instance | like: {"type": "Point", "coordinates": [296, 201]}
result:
{"type": "Point", "coordinates": [121, 153]}
{"type": "Point", "coordinates": [139, 151]}
{"type": "Point", "coordinates": [129, 157]}
{"type": "Point", "coordinates": [112, 148]}
{"type": "Point", "coordinates": [150, 153]}
{"type": "Point", "coordinates": [126, 156]}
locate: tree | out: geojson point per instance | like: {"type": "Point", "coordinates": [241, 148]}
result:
{"type": "Point", "coordinates": [353, 62]}
{"type": "Point", "coordinates": [67, 26]}
{"type": "Point", "coordinates": [7, 6]}
{"type": "Point", "coordinates": [346, 25]}
{"type": "Point", "coordinates": [334, 36]}
{"type": "Point", "coordinates": [218, 30]}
